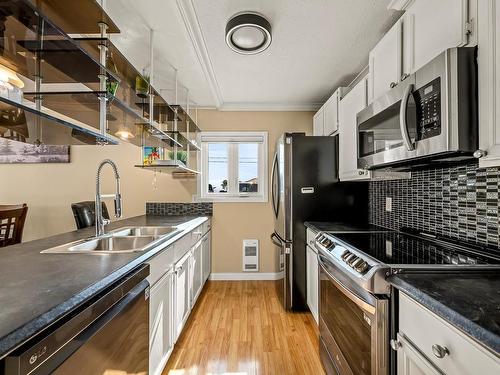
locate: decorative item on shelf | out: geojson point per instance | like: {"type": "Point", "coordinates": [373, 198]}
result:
{"type": "Point", "coordinates": [10, 85]}
{"type": "Point", "coordinates": [181, 156]}
{"type": "Point", "coordinates": [150, 155]}
{"type": "Point", "coordinates": [142, 86]}
{"type": "Point", "coordinates": [112, 86]}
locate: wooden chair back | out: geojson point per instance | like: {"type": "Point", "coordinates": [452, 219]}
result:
{"type": "Point", "coordinates": [12, 218]}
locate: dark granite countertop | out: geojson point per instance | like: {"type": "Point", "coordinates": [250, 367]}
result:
{"type": "Point", "coordinates": [37, 289]}
{"type": "Point", "coordinates": [470, 302]}
{"type": "Point", "coordinates": [341, 227]}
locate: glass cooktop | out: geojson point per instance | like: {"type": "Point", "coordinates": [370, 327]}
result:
{"type": "Point", "coordinates": [394, 248]}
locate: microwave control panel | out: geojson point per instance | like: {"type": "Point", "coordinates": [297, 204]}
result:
{"type": "Point", "coordinates": [428, 103]}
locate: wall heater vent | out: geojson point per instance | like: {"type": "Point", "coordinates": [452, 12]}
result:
{"type": "Point", "coordinates": [250, 255]}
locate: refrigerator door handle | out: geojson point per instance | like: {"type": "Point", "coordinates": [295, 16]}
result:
{"type": "Point", "coordinates": [273, 193]}
{"type": "Point", "coordinates": [276, 240]}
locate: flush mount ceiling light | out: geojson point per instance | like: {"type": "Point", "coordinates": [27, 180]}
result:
{"type": "Point", "coordinates": [248, 33]}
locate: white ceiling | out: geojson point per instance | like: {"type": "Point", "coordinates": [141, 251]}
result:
{"type": "Point", "coordinates": [317, 46]}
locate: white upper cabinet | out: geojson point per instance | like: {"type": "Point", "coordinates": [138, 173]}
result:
{"type": "Point", "coordinates": [318, 122]}
{"type": "Point", "coordinates": [489, 81]}
{"type": "Point", "coordinates": [331, 110]}
{"type": "Point", "coordinates": [427, 28]}
{"type": "Point", "coordinates": [349, 106]}
{"type": "Point", "coordinates": [326, 120]}
{"type": "Point", "coordinates": [385, 63]}
{"type": "Point", "coordinates": [430, 27]}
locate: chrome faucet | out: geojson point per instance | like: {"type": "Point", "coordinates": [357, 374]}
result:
{"type": "Point", "coordinates": [100, 221]}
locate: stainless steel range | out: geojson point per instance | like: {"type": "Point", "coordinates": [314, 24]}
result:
{"type": "Point", "coordinates": [354, 294]}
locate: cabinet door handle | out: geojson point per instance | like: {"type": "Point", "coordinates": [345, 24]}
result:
{"type": "Point", "coordinates": [404, 76]}
{"type": "Point", "coordinates": [395, 344]}
{"type": "Point", "coordinates": [440, 351]}
{"type": "Point", "coordinates": [479, 154]}
{"type": "Point", "coordinates": [393, 84]}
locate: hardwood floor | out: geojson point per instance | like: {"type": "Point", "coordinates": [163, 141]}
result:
{"type": "Point", "coordinates": [239, 328]}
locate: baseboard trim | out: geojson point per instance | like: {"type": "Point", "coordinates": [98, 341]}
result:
{"type": "Point", "coordinates": [246, 276]}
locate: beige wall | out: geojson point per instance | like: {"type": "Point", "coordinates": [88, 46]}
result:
{"type": "Point", "coordinates": [49, 189]}
{"type": "Point", "coordinates": [234, 222]}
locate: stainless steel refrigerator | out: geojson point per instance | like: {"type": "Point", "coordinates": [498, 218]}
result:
{"type": "Point", "coordinates": [305, 187]}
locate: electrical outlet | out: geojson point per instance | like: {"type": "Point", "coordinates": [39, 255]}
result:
{"type": "Point", "coordinates": [388, 204]}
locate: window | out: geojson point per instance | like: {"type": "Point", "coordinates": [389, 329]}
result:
{"type": "Point", "coordinates": [233, 166]}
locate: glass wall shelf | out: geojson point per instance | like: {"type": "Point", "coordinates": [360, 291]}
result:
{"type": "Point", "coordinates": [185, 119]}
{"type": "Point", "coordinates": [24, 123]}
{"type": "Point", "coordinates": [34, 48]}
{"type": "Point", "coordinates": [67, 14]}
{"type": "Point", "coordinates": [185, 142]}
{"type": "Point", "coordinates": [134, 87]}
{"type": "Point", "coordinates": [163, 112]}
{"type": "Point", "coordinates": [117, 63]}
{"type": "Point", "coordinates": [169, 166]}
{"type": "Point", "coordinates": [123, 121]}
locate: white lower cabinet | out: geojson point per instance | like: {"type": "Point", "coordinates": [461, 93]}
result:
{"type": "Point", "coordinates": [412, 362]}
{"type": "Point", "coordinates": [160, 323]}
{"type": "Point", "coordinates": [196, 272]}
{"type": "Point", "coordinates": [312, 281]}
{"type": "Point", "coordinates": [207, 255]}
{"type": "Point", "coordinates": [182, 305]}
{"type": "Point", "coordinates": [427, 344]}
{"type": "Point", "coordinates": [174, 291]}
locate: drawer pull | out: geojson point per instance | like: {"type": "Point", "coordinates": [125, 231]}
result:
{"type": "Point", "coordinates": [395, 344]}
{"type": "Point", "coordinates": [440, 351]}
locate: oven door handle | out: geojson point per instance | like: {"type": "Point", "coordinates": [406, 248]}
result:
{"type": "Point", "coordinates": [358, 300]}
{"type": "Point", "coordinates": [402, 118]}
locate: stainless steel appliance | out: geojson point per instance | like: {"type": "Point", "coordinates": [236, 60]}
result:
{"type": "Point", "coordinates": [355, 297]}
{"type": "Point", "coordinates": [431, 115]}
{"type": "Point", "coordinates": [109, 334]}
{"type": "Point", "coordinates": [305, 187]}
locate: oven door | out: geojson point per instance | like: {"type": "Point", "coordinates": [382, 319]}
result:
{"type": "Point", "coordinates": [353, 325]}
{"type": "Point", "coordinates": [387, 129]}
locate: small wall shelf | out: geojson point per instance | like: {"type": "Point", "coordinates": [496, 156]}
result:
{"type": "Point", "coordinates": [170, 166]}
{"type": "Point", "coordinates": [76, 17]}
{"type": "Point", "coordinates": [23, 122]}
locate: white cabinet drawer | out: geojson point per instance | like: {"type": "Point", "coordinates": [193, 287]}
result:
{"type": "Point", "coordinates": [160, 264]}
{"type": "Point", "coordinates": [425, 329]}
{"type": "Point", "coordinates": [310, 235]}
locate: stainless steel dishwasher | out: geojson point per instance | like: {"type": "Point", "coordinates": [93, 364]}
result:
{"type": "Point", "coordinates": [108, 335]}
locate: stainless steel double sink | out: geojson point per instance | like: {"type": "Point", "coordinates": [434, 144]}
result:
{"type": "Point", "coordinates": [118, 241]}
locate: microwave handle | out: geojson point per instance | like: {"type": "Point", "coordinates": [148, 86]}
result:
{"type": "Point", "coordinates": [402, 118]}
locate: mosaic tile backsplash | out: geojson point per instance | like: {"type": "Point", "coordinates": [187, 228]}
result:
{"type": "Point", "coordinates": [460, 202]}
{"type": "Point", "coordinates": [171, 209]}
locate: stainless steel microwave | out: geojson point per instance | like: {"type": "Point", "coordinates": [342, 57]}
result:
{"type": "Point", "coordinates": [430, 116]}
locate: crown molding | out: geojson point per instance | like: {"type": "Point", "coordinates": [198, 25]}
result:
{"type": "Point", "coordinates": [399, 4]}
{"type": "Point", "coordinates": [193, 27]}
{"type": "Point", "coordinates": [270, 107]}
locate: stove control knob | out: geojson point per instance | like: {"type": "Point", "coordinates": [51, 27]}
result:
{"type": "Point", "coordinates": [356, 263]}
{"type": "Point", "coordinates": [352, 260]}
{"type": "Point", "coordinates": [362, 267]}
{"type": "Point", "coordinates": [345, 254]}
{"type": "Point", "coordinates": [350, 257]}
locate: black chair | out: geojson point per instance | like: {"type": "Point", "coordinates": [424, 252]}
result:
{"type": "Point", "coordinates": [84, 213]}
